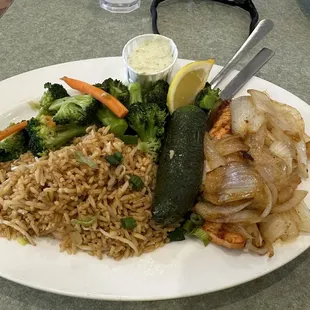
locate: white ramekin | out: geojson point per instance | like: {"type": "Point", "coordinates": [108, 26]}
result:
{"type": "Point", "coordinates": [132, 75]}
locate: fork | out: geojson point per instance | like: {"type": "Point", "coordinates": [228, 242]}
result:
{"type": "Point", "coordinates": [259, 60]}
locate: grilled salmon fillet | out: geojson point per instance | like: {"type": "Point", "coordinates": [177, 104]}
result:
{"type": "Point", "coordinates": [222, 123]}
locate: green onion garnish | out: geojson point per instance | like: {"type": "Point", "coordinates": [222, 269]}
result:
{"type": "Point", "coordinates": [87, 221]}
{"type": "Point", "coordinates": [176, 235]}
{"type": "Point", "coordinates": [201, 235]}
{"type": "Point", "coordinates": [128, 223]}
{"type": "Point", "coordinates": [188, 226]}
{"type": "Point", "coordinates": [136, 182]}
{"type": "Point", "coordinates": [81, 158]}
{"type": "Point", "coordinates": [129, 139]}
{"type": "Point", "coordinates": [196, 219]}
{"type": "Point", "coordinates": [114, 159]}
{"type": "Point", "coordinates": [22, 241]}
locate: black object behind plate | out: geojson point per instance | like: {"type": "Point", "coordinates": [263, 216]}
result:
{"type": "Point", "coordinates": [246, 5]}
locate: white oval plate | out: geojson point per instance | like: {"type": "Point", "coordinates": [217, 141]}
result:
{"type": "Point", "coordinates": [176, 270]}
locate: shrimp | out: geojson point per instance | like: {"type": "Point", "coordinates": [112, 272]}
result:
{"type": "Point", "coordinates": [222, 124]}
{"type": "Point", "coordinates": [220, 236]}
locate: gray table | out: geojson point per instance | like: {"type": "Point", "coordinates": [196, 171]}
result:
{"type": "Point", "coordinates": [37, 33]}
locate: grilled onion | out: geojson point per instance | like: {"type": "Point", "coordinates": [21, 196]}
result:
{"type": "Point", "coordinates": [229, 145]}
{"type": "Point", "coordinates": [268, 207]}
{"type": "Point", "coordinates": [208, 211]}
{"type": "Point", "coordinates": [252, 248]}
{"type": "Point", "coordinates": [245, 117]}
{"type": "Point", "coordinates": [284, 116]}
{"type": "Point", "coordinates": [302, 217]}
{"type": "Point", "coordinates": [273, 227]}
{"type": "Point", "coordinates": [253, 173]}
{"type": "Point", "coordinates": [282, 150]}
{"type": "Point", "coordinates": [244, 216]}
{"type": "Point", "coordinates": [212, 156]}
{"type": "Point", "coordinates": [233, 182]}
{"type": "Point", "coordinates": [297, 198]}
{"type": "Point", "coordinates": [302, 159]}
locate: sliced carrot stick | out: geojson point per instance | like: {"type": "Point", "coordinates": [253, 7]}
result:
{"type": "Point", "coordinates": [13, 129]}
{"type": "Point", "coordinates": [50, 122]}
{"type": "Point", "coordinates": [111, 102]}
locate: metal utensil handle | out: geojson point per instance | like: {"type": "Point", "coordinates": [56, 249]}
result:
{"type": "Point", "coordinates": [239, 81]}
{"type": "Point", "coordinates": [260, 32]}
{"type": "Point", "coordinates": [246, 73]}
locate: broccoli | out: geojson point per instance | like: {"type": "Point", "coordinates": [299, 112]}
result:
{"type": "Point", "coordinates": [158, 94]}
{"type": "Point", "coordinates": [207, 97]}
{"type": "Point", "coordinates": [44, 135]}
{"type": "Point", "coordinates": [80, 109]}
{"type": "Point", "coordinates": [135, 91]}
{"type": "Point", "coordinates": [13, 146]}
{"type": "Point", "coordinates": [118, 126]}
{"type": "Point", "coordinates": [115, 88]}
{"type": "Point", "coordinates": [54, 92]}
{"type": "Point", "coordinates": [148, 120]}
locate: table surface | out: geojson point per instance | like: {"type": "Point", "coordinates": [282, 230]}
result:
{"type": "Point", "coordinates": [36, 33]}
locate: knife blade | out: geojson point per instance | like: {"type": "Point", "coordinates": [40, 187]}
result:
{"type": "Point", "coordinates": [240, 80]}
{"type": "Point", "coordinates": [259, 33]}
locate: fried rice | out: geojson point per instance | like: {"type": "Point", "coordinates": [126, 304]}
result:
{"type": "Point", "coordinates": [47, 197]}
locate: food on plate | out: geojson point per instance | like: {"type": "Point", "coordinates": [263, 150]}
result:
{"type": "Point", "coordinates": [207, 98]}
{"type": "Point", "coordinates": [255, 157]}
{"type": "Point", "coordinates": [80, 110]}
{"type": "Point", "coordinates": [222, 121]}
{"type": "Point", "coordinates": [117, 125]}
{"type": "Point", "coordinates": [53, 92]}
{"type": "Point", "coordinates": [220, 235]}
{"type": "Point", "coordinates": [122, 170]}
{"type": "Point", "coordinates": [118, 90]}
{"type": "Point", "coordinates": [12, 129]}
{"type": "Point", "coordinates": [98, 93]}
{"type": "Point", "coordinates": [151, 56]}
{"type": "Point", "coordinates": [115, 88]}
{"type": "Point", "coordinates": [13, 142]}
{"type": "Point", "coordinates": [181, 165]}
{"type": "Point", "coordinates": [86, 185]}
{"type": "Point", "coordinates": [157, 94]}
{"type": "Point", "coordinates": [187, 83]}
{"type": "Point", "coordinates": [147, 119]}
{"type": "Point", "coordinates": [82, 198]}
{"type": "Point", "coordinates": [44, 135]}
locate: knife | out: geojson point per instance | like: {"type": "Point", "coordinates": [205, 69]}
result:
{"type": "Point", "coordinates": [240, 80]}
{"type": "Point", "coordinates": [259, 33]}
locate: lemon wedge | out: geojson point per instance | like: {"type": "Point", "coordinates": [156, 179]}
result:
{"type": "Point", "coordinates": [187, 83]}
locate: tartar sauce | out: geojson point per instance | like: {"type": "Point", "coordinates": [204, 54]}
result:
{"type": "Point", "coordinates": [151, 56]}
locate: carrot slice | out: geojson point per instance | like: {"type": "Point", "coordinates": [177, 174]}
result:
{"type": "Point", "coordinates": [50, 122]}
{"type": "Point", "coordinates": [13, 129]}
{"type": "Point", "coordinates": [111, 102]}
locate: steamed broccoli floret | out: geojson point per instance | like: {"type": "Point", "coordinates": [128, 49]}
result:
{"type": "Point", "coordinates": [13, 146]}
{"type": "Point", "coordinates": [80, 109]}
{"type": "Point", "coordinates": [147, 119]}
{"type": "Point", "coordinates": [118, 126]}
{"type": "Point", "coordinates": [135, 91]}
{"type": "Point", "coordinates": [207, 97]}
{"type": "Point", "coordinates": [53, 92]}
{"type": "Point", "coordinates": [44, 135]}
{"type": "Point", "coordinates": [115, 88]}
{"type": "Point", "coordinates": [158, 94]}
